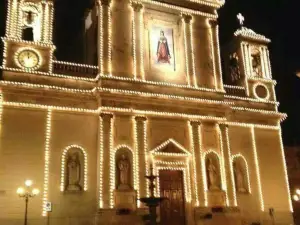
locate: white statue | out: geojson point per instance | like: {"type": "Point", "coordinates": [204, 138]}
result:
{"type": "Point", "coordinates": [239, 178]}
{"type": "Point", "coordinates": [73, 173]}
{"type": "Point", "coordinates": [124, 166]}
{"type": "Point", "coordinates": [212, 175]}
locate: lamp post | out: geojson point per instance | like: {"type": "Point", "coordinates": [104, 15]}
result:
{"type": "Point", "coordinates": [27, 192]}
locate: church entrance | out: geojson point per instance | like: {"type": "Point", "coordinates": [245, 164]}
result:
{"type": "Point", "coordinates": [171, 187]}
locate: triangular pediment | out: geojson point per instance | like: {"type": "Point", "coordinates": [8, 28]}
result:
{"type": "Point", "coordinates": [170, 147]}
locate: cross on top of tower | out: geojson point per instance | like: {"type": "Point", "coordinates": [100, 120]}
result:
{"type": "Point", "coordinates": [241, 19]}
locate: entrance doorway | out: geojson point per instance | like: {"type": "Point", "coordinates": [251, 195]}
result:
{"type": "Point", "coordinates": [172, 211]}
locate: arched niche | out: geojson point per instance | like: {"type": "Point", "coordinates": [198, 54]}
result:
{"type": "Point", "coordinates": [241, 174]}
{"type": "Point", "coordinates": [74, 169]}
{"type": "Point", "coordinates": [213, 172]}
{"type": "Point", "coordinates": [31, 27]}
{"type": "Point", "coordinates": [124, 169]}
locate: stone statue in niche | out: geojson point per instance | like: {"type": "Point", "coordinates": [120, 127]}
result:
{"type": "Point", "coordinates": [124, 169]}
{"type": "Point", "coordinates": [239, 178]}
{"type": "Point", "coordinates": [256, 63]}
{"type": "Point", "coordinates": [73, 172]}
{"type": "Point", "coordinates": [212, 175]}
{"type": "Point", "coordinates": [235, 74]}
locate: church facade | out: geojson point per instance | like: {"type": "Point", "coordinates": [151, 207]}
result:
{"type": "Point", "coordinates": [156, 100]}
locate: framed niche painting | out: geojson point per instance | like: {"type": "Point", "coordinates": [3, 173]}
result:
{"type": "Point", "coordinates": [162, 55]}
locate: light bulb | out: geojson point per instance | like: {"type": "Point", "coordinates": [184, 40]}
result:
{"type": "Point", "coordinates": [20, 191]}
{"type": "Point", "coordinates": [28, 183]}
{"type": "Point", "coordinates": [298, 191]}
{"type": "Point", "coordinates": [296, 198]}
{"type": "Point", "coordinates": [35, 191]}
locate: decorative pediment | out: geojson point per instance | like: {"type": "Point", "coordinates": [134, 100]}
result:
{"type": "Point", "coordinates": [171, 148]}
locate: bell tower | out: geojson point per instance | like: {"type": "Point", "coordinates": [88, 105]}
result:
{"type": "Point", "coordinates": [248, 64]}
{"type": "Point", "coordinates": [28, 45]}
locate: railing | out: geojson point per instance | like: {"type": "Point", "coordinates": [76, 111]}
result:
{"type": "Point", "coordinates": [67, 68]}
{"type": "Point", "coordinates": [235, 90]}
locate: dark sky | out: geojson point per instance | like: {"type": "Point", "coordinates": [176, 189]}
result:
{"type": "Point", "coordinates": [277, 19]}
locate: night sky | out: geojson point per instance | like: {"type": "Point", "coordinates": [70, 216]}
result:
{"type": "Point", "coordinates": [277, 19]}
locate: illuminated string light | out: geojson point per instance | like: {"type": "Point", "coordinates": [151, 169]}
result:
{"type": "Point", "coordinates": [257, 168]}
{"type": "Point", "coordinates": [285, 172]}
{"type": "Point", "coordinates": [47, 160]}
{"type": "Point", "coordinates": [101, 163]}
{"type": "Point", "coordinates": [222, 165]}
{"type": "Point", "coordinates": [63, 166]}
{"type": "Point", "coordinates": [136, 161]}
{"type": "Point", "coordinates": [254, 90]}
{"type": "Point", "coordinates": [230, 166]}
{"type": "Point", "coordinates": [194, 163]}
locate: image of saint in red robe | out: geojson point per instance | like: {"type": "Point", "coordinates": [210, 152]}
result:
{"type": "Point", "coordinates": [163, 53]}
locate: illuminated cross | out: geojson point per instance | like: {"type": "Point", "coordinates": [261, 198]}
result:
{"type": "Point", "coordinates": [241, 19]}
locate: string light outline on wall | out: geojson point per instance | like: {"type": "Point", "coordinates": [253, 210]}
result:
{"type": "Point", "coordinates": [135, 154]}
{"type": "Point", "coordinates": [255, 93]}
{"type": "Point", "coordinates": [63, 166]}
{"type": "Point", "coordinates": [285, 171]}
{"type": "Point", "coordinates": [222, 165]}
{"type": "Point", "coordinates": [47, 159]}
{"type": "Point", "coordinates": [257, 168]}
{"type": "Point", "coordinates": [180, 9]}
{"type": "Point", "coordinates": [101, 163]}
{"type": "Point", "coordinates": [194, 163]}
{"type": "Point", "coordinates": [230, 166]}
{"type": "Point", "coordinates": [156, 151]}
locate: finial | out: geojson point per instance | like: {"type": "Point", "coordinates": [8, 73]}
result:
{"type": "Point", "coordinates": [241, 19]}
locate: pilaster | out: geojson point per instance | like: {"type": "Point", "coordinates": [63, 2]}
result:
{"type": "Point", "coordinates": [106, 145]}
{"type": "Point", "coordinates": [216, 52]}
{"type": "Point", "coordinates": [138, 32]}
{"type": "Point", "coordinates": [104, 34]}
{"type": "Point", "coordinates": [197, 161]}
{"type": "Point", "coordinates": [189, 50]}
{"type": "Point", "coordinates": [121, 37]}
{"type": "Point", "coordinates": [231, 193]}
{"type": "Point", "coordinates": [141, 150]}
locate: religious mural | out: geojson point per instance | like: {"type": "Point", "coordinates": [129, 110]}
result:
{"type": "Point", "coordinates": [162, 48]}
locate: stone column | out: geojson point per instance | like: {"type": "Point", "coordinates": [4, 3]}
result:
{"type": "Point", "coordinates": [217, 58]}
{"type": "Point", "coordinates": [105, 151]}
{"type": "Point", "coordinates": [228, 166]}
{"type": "Point", "coordinates": [104, 33]}
{"type": "Point", "coordinates": [263, 63]}
{"type": "Point", "coordinates": [141, 150]}
{"type": "Point", "coordinates": [122, 56]}
{"type": "Point", "coordinates": [189, 51]}
{"type": "Point", "coordinates": [138, 40]}
{"type": "Point", "coordinates": [196, 142]}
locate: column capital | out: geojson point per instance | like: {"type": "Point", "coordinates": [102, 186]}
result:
{"type": "Point", "coordinates": [213, 23]}
{"type": "Point", "coordinates": [106, 115]}
{"type": "Point", "coordinates": [104, 2]}
{"type": "Point", "coordinates": [195, 123]}
{"type": "Point", "coordinates": [140, 118]}
{"type": "Point", "coordinates": [136, 6]}
{"type": "Point", "coordinates": [187, 18]}
{"type": "Point", "coordinates": [222, 125]}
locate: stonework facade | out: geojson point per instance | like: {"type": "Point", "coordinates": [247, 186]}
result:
{"type": "Point", "coordinates": [88, 135]}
